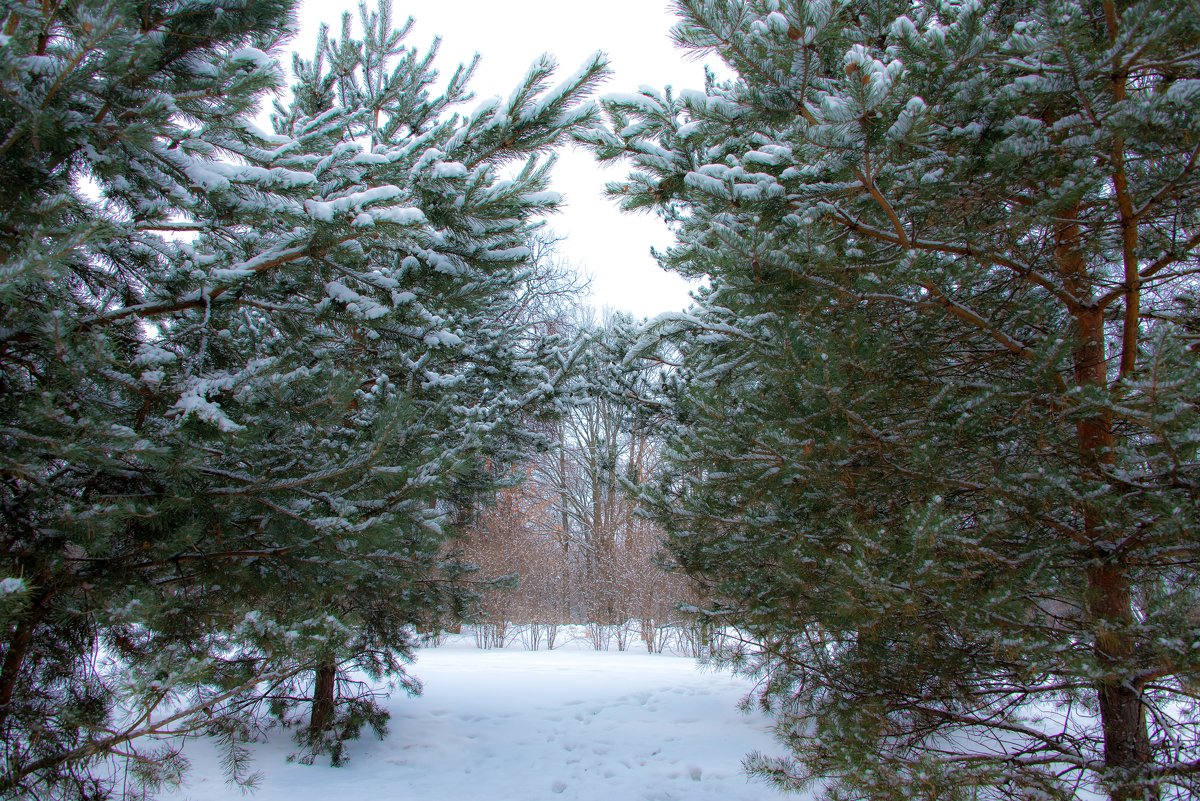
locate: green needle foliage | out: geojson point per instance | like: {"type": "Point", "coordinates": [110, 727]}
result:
{"type": "Point", "coordinates": [247, 379]}
{"type": "Point", "coordinates": [933, 432]}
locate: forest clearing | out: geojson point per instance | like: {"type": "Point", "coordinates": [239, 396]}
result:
{"type": "Point", "coordinates": [573, 723]}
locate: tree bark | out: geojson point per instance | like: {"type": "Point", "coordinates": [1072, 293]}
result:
{"type": "Point", "coordinates": [648, 633]}
{"type": "Point", "coordinates": [324, 697]}
{"type": "Point", "coordinates": [1108, 601]}
{"type": "Point", "coordinates": [1122, 713]}
{"type": "Point", "coordinates": [18, 648]}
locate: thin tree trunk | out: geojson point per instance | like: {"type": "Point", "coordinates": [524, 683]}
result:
{"type": "Point", "coordinates": [1122, 713]}
{"type": "Point", "coordinates": [18, 648]}
{"type": "Point", "coordinates": [1108, 602]}
{"type": "Point", "coordinates": [565, 522]}
{"type": "Point", "coordinates": [324, 697]}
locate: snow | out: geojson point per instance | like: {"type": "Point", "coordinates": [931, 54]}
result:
{"type": "Point", "coordinates": [400, 215]}
{"type": "Point", "coordinates": [558, 93]}
{"type": "Point", "coordinates": [215, 176]}
{"type": "Point", "coordinates": [778, 22]}
{"type": "Point", "coordinates": [442, 339]}
{"type": "Point", "coordinates": [572, 723]}
{"type": "Point", "coordinates": [324, 210]}
{"type": "Point", "coordinates": [449, 169]}
{"type": "Point", "coordinates": [194, 401]}
{"type": "Point", "coordinates": [252, 55]}
{"type": "Point", "coordinates": [706, 183]}
{"type": "Point", "coordinates": [355, 303]}
{"type": "Point", "coordinates": [1184, 92]}
{"type": "Point", "coordinates": [153, 378]}
{"type": "Point", "coordinates": [150, 354]}
{"type": "Point", "coordinates": [644, 103]}
{"type": "Point", "coordinates": [546, 198]}
{"type": "Point", "coordinates": [205, 177]}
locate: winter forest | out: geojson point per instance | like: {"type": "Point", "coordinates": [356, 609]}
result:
{"type": "Point", "coordinates": [295, 383]}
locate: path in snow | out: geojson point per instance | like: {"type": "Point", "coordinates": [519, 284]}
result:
{"type": "Point", "coordinates": [563, 724]}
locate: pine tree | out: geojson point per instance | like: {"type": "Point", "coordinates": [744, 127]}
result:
{"type": "Point", "coordinates": [934, 425]}
{"type": "Point", "coordinates": [244, 376]}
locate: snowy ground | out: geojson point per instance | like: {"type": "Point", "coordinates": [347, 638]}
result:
{"type": "Point", "coordinates": [565, 724]}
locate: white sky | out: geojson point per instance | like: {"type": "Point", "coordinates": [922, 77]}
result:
{"type": "Point", "coordinates": [612, 247]}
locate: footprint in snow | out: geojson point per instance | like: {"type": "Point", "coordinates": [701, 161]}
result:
{"type": "Point", "coordinates": [694, 772]}
{"type": "Point", "coordinates": [558, 785]}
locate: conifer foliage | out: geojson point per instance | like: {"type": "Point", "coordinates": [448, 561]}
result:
{"type": "Point", "coordinates": [935, 420]}
{"type": "Point", "coordinates": [244, 376]}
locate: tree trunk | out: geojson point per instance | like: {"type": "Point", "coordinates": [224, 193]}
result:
{"type": "Point", "coordinates": [324, 697]}
{"type": "Point", "coordinates": [648, 633]}
{"type": "Point", "coordinates": [1122, 713]}
{"type": "Point", "coordinates": [1108, 602]}
{"type": "Point", "coordinates": [18, 647]}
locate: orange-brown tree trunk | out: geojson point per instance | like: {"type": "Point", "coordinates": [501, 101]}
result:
{"type": "Point", "coordinates": [1108, 601]}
